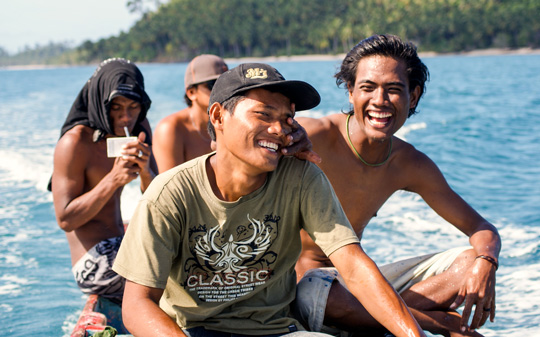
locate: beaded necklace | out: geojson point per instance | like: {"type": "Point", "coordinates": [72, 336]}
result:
{"type": "Point", "coordinates": [358, 154]}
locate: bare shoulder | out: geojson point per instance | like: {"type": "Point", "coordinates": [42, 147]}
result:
{"type": "Point", "coordinates": [408, 155]}
{"type": "Point", "coordinates": [73, 153]}
{"type": "Point", "coordinates": [77, 139]}
{"type": "Point", "coordinates": [172, 126]}
{"type": "Point", "coordinates": [174, 120]}
{"type": "Point", "coordinates": [413, 167]}
{"type": "Point", "coordinates": [325, 127]}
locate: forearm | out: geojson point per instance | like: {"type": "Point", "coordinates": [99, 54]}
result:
{"type": "Point", "coordinates": [369, 286]}
{"type": "Point", "coordinates": [387, 307]}
{"type": "Point", "coordinates": [149, 173]}
{"type": "Point", "coordinates": [85, 207]}
{"type": "Point", "coordinates": [145, 318]}
{"type": "Point", "coordinates": [146, 179]}
{"type": "Point", "coordinates": [142, 315]}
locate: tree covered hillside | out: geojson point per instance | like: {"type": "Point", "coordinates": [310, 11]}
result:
{"type": "Point", "coordinates": [182, 29]}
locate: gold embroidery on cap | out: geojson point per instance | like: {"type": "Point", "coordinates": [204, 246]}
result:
{"type": "Point", "coordinates": [256, 73]}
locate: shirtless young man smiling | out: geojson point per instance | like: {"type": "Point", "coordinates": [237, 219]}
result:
{"type": "Point", "coordinates": [87, 184]}
{"type": "Point", "coordinates": [366, 164]}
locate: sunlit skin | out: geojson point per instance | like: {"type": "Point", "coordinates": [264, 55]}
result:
{"type": "Point", "coordinates": [248, 142]}
{"type": "Point", "coordinates": [183, 135]}
{"type": "Point", "coordinates": [260, 121]}
{"type": "Point", "coordinates": [87, 185]}
{"type": "Point", "coordinates": [381, 98]}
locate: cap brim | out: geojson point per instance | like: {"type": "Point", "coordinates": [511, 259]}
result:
{"type": "Point", "coordinates": [128, 94]}
{"type": "Point", "coordinates": [302, 94]}
{"type": "Point", "coordinates": [206, 79]}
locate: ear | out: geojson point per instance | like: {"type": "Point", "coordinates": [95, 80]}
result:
{"type": "Point", "coordinates": [414, 97]}
{"type": "Point", "coordinates": [350, 88]}
{"type": "Point", "coordinates": [215, 114]}
{"type": "Point", "coordinates": [191, 93]}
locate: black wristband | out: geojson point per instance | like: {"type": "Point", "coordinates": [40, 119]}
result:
{"type": "Point", "coordinates": [489, 259]}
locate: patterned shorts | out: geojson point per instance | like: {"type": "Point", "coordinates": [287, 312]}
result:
{"type": "Point", "coordinates": [93, 272]}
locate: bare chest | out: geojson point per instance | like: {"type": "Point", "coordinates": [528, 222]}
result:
{"type": "Point", "coordinates": [98, 165]}
{"type": "Point", "coordinates": [361, 191]}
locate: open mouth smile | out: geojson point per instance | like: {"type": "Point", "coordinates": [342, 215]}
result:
{"type": "Point", "coordinates": [268, 145]}
{"type": "Point", "coordinates": [379, 119]}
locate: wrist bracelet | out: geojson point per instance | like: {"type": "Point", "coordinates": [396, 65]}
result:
{"type": "Point", "coordinates": [489, 259]}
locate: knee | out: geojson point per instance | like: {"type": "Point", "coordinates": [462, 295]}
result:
{"type": "Point", "coordinates": [311, 297]}
{"type": "Point", "coordinates": [341, 303]}
{"type": "Point", "coordinates": [464, 260]}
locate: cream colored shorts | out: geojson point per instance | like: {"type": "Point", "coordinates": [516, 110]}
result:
{"type": "Point", "coordinates": [312, 290]}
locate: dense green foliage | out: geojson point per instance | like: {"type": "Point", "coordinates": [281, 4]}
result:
{"type": "Point", "coordinates": [52, 53]}
{"type": "Point", "coordinates": [182, 29]}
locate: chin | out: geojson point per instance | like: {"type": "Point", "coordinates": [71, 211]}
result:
{"type": "Point", "coordinates": [381, 133]}
{"type": "Point", "coordinates": [269, 166]}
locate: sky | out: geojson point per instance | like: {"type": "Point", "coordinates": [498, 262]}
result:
{"type": "Point", "coordinates": [30, 22]}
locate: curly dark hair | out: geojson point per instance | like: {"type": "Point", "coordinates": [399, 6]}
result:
{"type": "Point", "coordinates": [385, 45]}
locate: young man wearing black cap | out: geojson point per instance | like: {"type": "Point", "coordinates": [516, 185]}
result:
{"type": "Point", "coordinates": [213, 243]}
{"type": "Point", "coordinates": [183, 135]}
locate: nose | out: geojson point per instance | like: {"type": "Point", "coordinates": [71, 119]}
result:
{"type": "Point", "coordinates": [126, 115]}
{"type": "Point", "coordinates": [280, 128]}
{"type": "Point", "coordinates": [380, 96]}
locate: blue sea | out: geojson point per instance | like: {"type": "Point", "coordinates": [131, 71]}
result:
{"type": "Point", "coordinates": [479, 121]}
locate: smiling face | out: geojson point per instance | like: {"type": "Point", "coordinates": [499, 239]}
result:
{"type": "Point", "coordinates": [124, 112]}
{"type": "Point", "coordinates": [251, 138]}
{"type": "Point", "coordinates": [381, 96]}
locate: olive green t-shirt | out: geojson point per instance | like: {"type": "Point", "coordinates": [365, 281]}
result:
{"type": "Point", "coordinates": [229, 266]}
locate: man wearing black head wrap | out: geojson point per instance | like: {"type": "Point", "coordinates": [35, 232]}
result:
{"type": "Point", "coordinates": [87, 184]}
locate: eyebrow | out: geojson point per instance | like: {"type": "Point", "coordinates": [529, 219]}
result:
{"type": "Point", "coordinates": [271, 107]}
{"type": "Point", "coordinates": [401, 84]}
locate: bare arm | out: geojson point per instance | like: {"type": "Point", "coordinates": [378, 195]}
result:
{"type": "Point", "coordinates": [322, 133]}
{"type": "Point", "coordinates": [167, 146]}
{"type": "Point", "coordinates": [142, 315]}
{"type": "Point", "coordinates": [369, 286]}
{"type": "Point", "coordinates": [75, 202]}
{"type": "Point", "coordinates": [478, 286]}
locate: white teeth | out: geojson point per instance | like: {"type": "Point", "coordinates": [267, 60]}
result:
{"type": "Point", "coordinates": [375, 123]}
{"type": "Point", "coordinates": [375, 114]}
{"type": "Point", "coordinates": [268, 145]}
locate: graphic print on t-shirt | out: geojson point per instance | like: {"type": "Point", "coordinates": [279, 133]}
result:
{"type": "Point", "coordinates": [228, 264]}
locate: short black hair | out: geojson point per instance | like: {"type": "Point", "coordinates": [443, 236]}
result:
{"type": "Point", "coordinates": [187, 100]}
{"type": "Point", "coordinates": [229, 105]}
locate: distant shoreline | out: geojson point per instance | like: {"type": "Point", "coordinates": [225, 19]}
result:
{"type": "Point", "coordinates": [479, 52]}
{"type": "Point", "coordinates": [315, 57]}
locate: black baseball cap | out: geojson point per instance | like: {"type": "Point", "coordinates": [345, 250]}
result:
{"type": "Point", "coordinates": [249, 76]}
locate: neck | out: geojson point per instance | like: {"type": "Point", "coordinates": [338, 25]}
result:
{"type": "Point", "coordinates": [198, 116]}
{"type": "Point", "coordinates": [199, 121]}
{"type": "Point", "coordinates": [231, 183]}
{"type": "Point", "coordinates": [357, 153]}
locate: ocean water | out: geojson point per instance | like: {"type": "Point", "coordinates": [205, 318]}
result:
{"type": "Point", "coordinates": [479, 121]}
